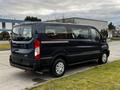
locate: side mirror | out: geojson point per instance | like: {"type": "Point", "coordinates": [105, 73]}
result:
{"type": "Point", "coordinates": [104, 38]}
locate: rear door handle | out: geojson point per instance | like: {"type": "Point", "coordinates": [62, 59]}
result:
{"type": "Point", "coordinates": [14, 50]}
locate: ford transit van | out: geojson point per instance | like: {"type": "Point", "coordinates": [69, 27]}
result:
{"type": "Point", "coordinates": [54, 46]}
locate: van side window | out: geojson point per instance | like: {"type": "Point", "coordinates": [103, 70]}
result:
{"type": "Point", "coordinates": [95, 36]}
{"type": "Point", "coordinates": [80, 33]}
{"type": "Point", "coordinates": [56, 32]}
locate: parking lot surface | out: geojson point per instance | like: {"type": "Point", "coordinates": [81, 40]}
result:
{"type": "Point", "coordinates": [16, 79]}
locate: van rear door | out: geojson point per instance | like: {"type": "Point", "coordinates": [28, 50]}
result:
{"type": "Point", "coordinates": [22, 46]}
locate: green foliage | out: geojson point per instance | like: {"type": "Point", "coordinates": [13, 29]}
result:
{"type": "Point", "coordinates": [4, 46]}
{"type": "Point", "coordinates": [104, 77]}
{"type": "Point", "coordinates": [31, 18]}
{"type": "Point", "coordinates": [111, 26]}
{"type": "Point", "coordinates": [4, 35]}
{"type": "Point", "coordinates": [1, 37]}
{"type": "Point", "coordinates": [104, 33]}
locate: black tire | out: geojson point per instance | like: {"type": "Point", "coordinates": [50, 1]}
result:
{"type": "Point", "coordinates": [103, 58]}
{"type": "Point", "coordinates": [56, 73]}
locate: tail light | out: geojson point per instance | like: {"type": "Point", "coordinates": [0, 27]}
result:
{"type": "Point", "coordinates": [37, 49]}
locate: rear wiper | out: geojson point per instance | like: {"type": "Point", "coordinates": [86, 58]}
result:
{"type": "Point", "coordinates": [20, 38]}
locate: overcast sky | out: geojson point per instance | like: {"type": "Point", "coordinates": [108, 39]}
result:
{"type": "Point", "coordinates": [49, 9]}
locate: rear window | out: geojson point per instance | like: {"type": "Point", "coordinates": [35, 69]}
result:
{"type": "Point", "coordinates": [22, 33]}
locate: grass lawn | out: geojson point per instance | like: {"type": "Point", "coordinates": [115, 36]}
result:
{"type": "Point", "coordinates": [4, 46]}
{"type": "Point", "coordinates": [104, 77]}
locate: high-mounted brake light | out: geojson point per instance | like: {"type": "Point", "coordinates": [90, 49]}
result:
{"type": "Point", "coordinates": [37, 49]}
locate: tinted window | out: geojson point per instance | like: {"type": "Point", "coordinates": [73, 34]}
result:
{"type": "Point", "coordinates": [95, 35]}
{"type": "Point", "coordinates": [56, 32]}
{"type": "Point", "coordinates": [80, 33]}
{"type": "Point", "coordinates": [22, 33]}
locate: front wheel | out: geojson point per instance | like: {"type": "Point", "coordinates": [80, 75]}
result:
{"type": "Point", "coordinates": [58, 68]}
{"type": "Point", "coordinates": [103, 59]}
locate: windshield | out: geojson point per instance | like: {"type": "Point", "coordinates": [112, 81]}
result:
{"type": "Point", "coordinates": [22, 33]}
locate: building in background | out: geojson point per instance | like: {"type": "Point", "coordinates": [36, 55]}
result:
{"type": "Point", "coordinates": [7, 24]}
{"type": "Point", "coordinates": [99, 24]}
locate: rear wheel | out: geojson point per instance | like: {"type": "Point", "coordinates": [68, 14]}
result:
{"type": "Point", "coordinates": [103, 59]}
{"type": "Point", "coordinates": [58, 67]}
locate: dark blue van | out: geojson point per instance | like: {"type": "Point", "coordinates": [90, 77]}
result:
{"type": "Point", "coordinates": [54, 46]}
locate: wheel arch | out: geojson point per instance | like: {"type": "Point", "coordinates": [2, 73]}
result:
{"type": "Point", "coordinates": [60, 55]}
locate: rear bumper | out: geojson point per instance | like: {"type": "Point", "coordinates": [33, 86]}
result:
{"type": "Point", "coordinates": [22, 67]}
{"type": "Point", "coordinates": [31, 65]}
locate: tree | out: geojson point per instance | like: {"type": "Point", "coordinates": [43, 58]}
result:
{"type": "Point", "coordinates": [104, 33]}
{"type": "Point", "coordinates": [1, 37]}
{"type": "Point", "coordinates": [111, 26]}
{"type": "Point", "coordinates": [4, 35]}
{"type": "Point", "coordinates": [31, 18]}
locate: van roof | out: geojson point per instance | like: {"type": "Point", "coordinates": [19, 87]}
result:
{"type": "Point", "coordinates": [52, 23]}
